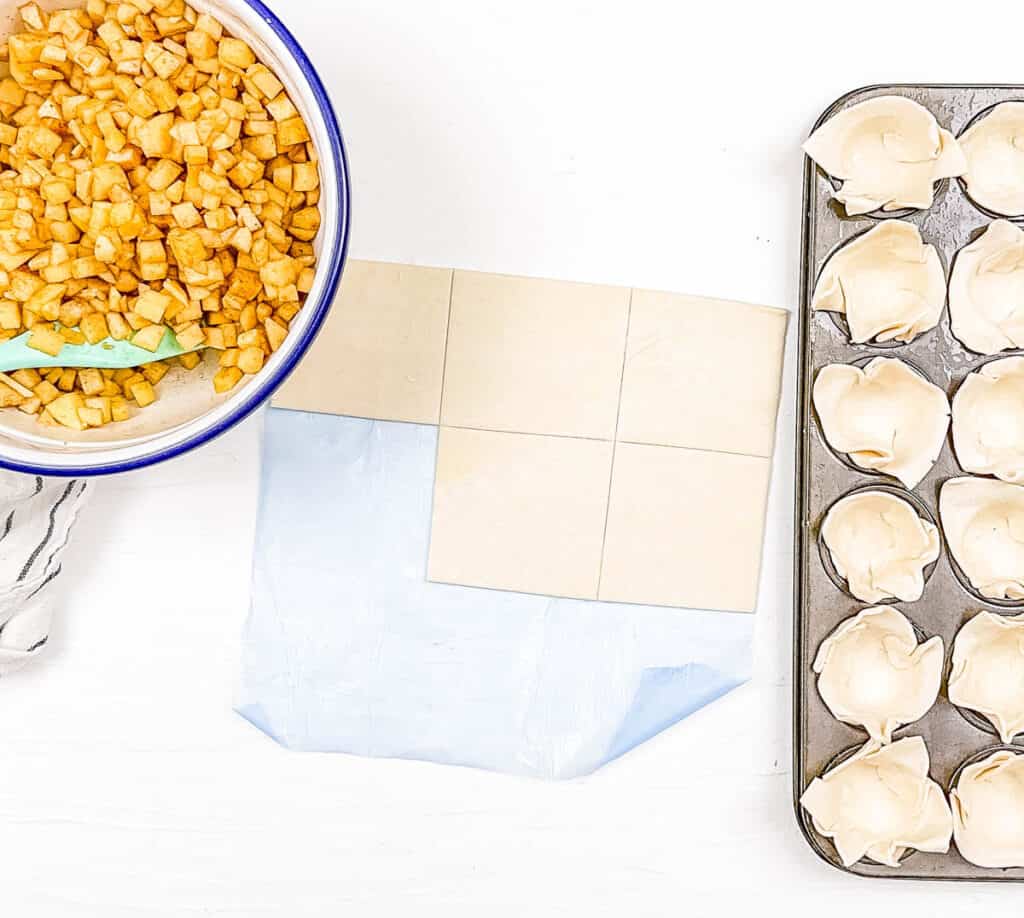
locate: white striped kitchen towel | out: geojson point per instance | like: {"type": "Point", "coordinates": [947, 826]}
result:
{"type": "Point", "coordinates": [36, 518]}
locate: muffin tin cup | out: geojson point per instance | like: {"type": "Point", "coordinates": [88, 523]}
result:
{"type": "Point", "coordinates": [980, 756]}
{"type": "Point", "coordinates": [938, 190]}
{"type": "Point", "coordinates": [982, 723]}
{"type": "Point", "coordinates": [884, 478]}
{"type": "Point", "coordinates": [885, 348]}
{"type": "Point", "coordinates": [975, 718]}
{"type": "Point", "coordinates": [823, 477]}
{"type": "Point", "coordinates": [807, 821]}
{"type": "Point", "coordinates": [922, 510]}
{"type": "Point", "coordinates": [1007, 606]}
{"type": "Point", "coordinates": [991, 214]}
{"type": "Point", "coordinates": [980, 362]}
{"type": "Point", "coordinates": [899, 733]}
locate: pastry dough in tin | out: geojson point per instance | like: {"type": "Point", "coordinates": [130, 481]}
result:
{"type": "Point", "coordinates": [885, 417]}
{"type": "Point", "coordinates": [888, 151]}
{"type": "Point", "coordinates": [986, 290]}
{"type": "Point", "coordinates": [988, 671]}
{"type": "Point", "coordinates": [872, 673]}
{"type": "Point", "coordinates": [988, 811]}
{"type": "Point", "coordinates": [983, 521]}
{"type": "Point", "coordinates": [994, 149]}
{"type": "Point", "coordinates": [880, 545]}
{"type": "Point", "coordinates": [887, 282]}
{"type": "Point", "coordinates": [881, 803]}
{"type": "Point", "coordinates": [988, 420]}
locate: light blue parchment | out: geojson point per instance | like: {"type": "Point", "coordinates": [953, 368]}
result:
{"type": "Point", "coordinates": [349, 649]}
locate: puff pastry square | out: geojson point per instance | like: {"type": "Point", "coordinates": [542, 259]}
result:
{"type": "Point", "coordinates": [702, 373]}
{"type": "Point", "coordinates": [519, 512]}
{"type": "Point", "coordinates": [685, 528]}
{"type": "Point", "coordinates": [380, 353]}
{"type": "Point", "coordinates": [534, 356]}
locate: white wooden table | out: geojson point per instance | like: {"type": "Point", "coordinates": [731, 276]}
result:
{"type": "Point", "coordinates": [649, 143]}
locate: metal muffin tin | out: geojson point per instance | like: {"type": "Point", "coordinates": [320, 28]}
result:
{"type": "Point", "coordinates": [819, 739]}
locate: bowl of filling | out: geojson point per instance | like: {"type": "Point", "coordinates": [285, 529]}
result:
{"type": "Point", "coordinates": [174, 195]}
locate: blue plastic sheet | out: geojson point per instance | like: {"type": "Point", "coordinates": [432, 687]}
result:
{"type": "Point", "coordinates": [348, 648]}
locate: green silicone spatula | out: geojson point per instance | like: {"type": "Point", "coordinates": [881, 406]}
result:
{"type": "Point", "coordinates": [107, 355]}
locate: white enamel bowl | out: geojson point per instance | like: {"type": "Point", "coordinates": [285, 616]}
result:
{"type": "Point", "coordinates": [188, 412]}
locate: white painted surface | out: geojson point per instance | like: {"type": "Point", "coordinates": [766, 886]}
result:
{"type": "Point", "coordinates": [586, 140]}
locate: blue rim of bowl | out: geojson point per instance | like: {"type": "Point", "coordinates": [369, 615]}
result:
{"type": "Point", "coordinates": [335, 260]}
